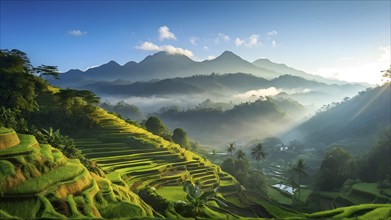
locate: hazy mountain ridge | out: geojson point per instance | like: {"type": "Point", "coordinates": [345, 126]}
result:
{"type": "Point", "coordinates": [162, 65]}
{"type": "Point", "coordinates": [214, 125]}
{"type": "Point", "coordinates": [283, 68]}
{"type": "Point", "coordinates": [232, 82]}
{"type": "Point", "coordinates": [360, 118]}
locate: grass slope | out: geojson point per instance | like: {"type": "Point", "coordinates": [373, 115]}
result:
{"type": "Point", "coordinates": [37, 181]}
{"type": "Point", "coordinates": [134, 157]}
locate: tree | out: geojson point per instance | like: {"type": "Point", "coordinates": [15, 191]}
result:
{"type": "Point", "coordinates": [333, 170]}
{"type": "Point", "coordinates": [375, 166]}
{"type": "Point", "coordinates": [45, 71]}
{"type": "Point", "coordinates": [387, 75]}
{"type": "Point", "coordinates": [180, 137]}
{"type": "Point", "coordinates": [155, 125]}
{"type": "Point", "coordinates": [258, 181]}
{"type": "Point", "coordinates": [299, 170]}
{"type": "Point", "coordinates": [258, 153]}
{"type": "Point", "coordinates": [231, 148]}
{"type": "Point", "coordinates": [19, 88]}
{"type": "Point", "coordinates": [15, 60]}
{"type": "Point", "coordinates": [241, 155]}
{"type": "Point", "coordinates": [86, 95]}
{"type": "Point", "coordinates": [199, 199]}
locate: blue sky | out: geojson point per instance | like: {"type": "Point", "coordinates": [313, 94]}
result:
{"type": "Point", "coordinates": [347, 40]}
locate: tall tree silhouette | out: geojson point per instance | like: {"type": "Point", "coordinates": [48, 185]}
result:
{"type": "Point", "coordinates": [299, 170]}
{"type": "Point", "coordinates": [231, 148]}
{"type": "Point", "coordinates": [241, 155]}
{"type": "Point", "coordinates": [258, 153]}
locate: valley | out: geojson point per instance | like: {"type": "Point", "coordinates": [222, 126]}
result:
{"type": "Point", "coordinates": [279, 162]}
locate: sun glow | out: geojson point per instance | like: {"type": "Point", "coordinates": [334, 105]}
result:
{"type": "Point", "coordinates": [356, 71]}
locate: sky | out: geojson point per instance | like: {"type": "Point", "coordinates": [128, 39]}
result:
{"type": "Point", "coordinates": [346, 40]}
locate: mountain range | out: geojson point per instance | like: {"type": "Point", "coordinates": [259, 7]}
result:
{"type": "Point", "coordinates": [163, 65]}
{"type": "Point", "coordinates": [226, 86]}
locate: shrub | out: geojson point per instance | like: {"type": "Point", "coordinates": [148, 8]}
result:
{"type": "Point", "coordinates": [150, 196]}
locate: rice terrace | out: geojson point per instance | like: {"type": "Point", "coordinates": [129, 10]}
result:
{"type": "Point", "coordinates": [187, 110]}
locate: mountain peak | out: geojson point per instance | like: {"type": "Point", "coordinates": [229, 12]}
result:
{"type": "Point", "coordinates": [163, 56]}
{"type": "Point", "coordinates": [112, 63]}
{"type": "Point", "coordinates": [228, 56]}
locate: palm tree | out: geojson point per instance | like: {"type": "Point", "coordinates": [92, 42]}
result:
{"type": "Point", "coordinates": [241, 155]}
{"type": "Point", "coordinates": [258, 153]}
{"type": "Point", "coordinates": [231, 148]}
{"type": "Point", "coordinates": [198, 198]}
{"type": "Point", "coordinates": [299, 170]}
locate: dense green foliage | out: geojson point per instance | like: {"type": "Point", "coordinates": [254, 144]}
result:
{"type": "Point", "coordinates": [376, 164]}
{"type": "Point", "coordinates": [334, 169]}
{"type": "Point", "coordinates": [240, 168]}
{"type": "Point", "coordinates": [12, 119]}
{"type": "Point", "coordinates": [155, 125]}
{"type": "Point", "coordinates": [125, 110]}
{"type": "Point", "coordinates": [199, 199]}
{"type": "Point", "coordinates": [19, 87]}
{"type": "Point", "coordinates": [210, 124]}
{"type": "Point", "coordinates": [338, 165]}
{"type": "Point", "coordinates": [179, 136]}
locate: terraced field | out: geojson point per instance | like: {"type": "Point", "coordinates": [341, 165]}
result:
{"type": "Point", "coordinates": [38, 181]}
{"type": "Point", "coordinates": [134, 157]}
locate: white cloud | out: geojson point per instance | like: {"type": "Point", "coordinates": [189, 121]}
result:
{"type": "Point", "coordinates": [205, 48]}
{"type": "Point", "coordinates": [193, 40]}
{"type": "Point", "coordinates": [90, 67]}
{"type": "Point", "coordinates": [252, 41]}
{"type": "Point", "coordinates": [271, 33]}
{"type": "Point", "coordinates": [253, 95]}
{"type": "Point", "coordinates": [360, 71]}
{"type": "Point", "coordinates": [272, 91]}
{"type": "Point", "coordinates": [148, 46]}
{"type": "Point", "coordinates": [165, 33]}
{"type": "Point", "coordinates": [221, 37]}
{"type": "Point", "coordinates": [176, 50]}
{"type": "Point", "coordinates": [76, 33]}
{"type": "Point", "coordinates": [238, 42]}
{"type": "Point", "coordinates": [210, 57]}
{"type": "Point", "coordinates": [274, 45]}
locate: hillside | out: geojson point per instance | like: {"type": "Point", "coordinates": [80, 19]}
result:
{"type": "Point", "coordinates": [227, 85]}
{"type": "Point", "coordinates": [244, 121]}
{"type": "Point", "coordinates": [38, 181]}
{"type": "Point", "coordinates": [282, 68]}
{"type": "Point", "coordinates": [119, 170]}
{"type": "Point", "coordinates": [353, 123]}
{"type": "Point", "coordinates": [136, 158]}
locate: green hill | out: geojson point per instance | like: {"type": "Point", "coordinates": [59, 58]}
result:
{"type": "Point", "coordinates": [353, 123]}
{"type": "Point", "coordinates": [38, 181]}
{"type": "Point", "coordinates": [214, 126]}
{"type": "Point", "coordinates": [136, 158]}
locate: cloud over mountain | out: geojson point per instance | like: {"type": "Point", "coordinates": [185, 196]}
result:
{"type": "Point", "coordinates": [149, 46]}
